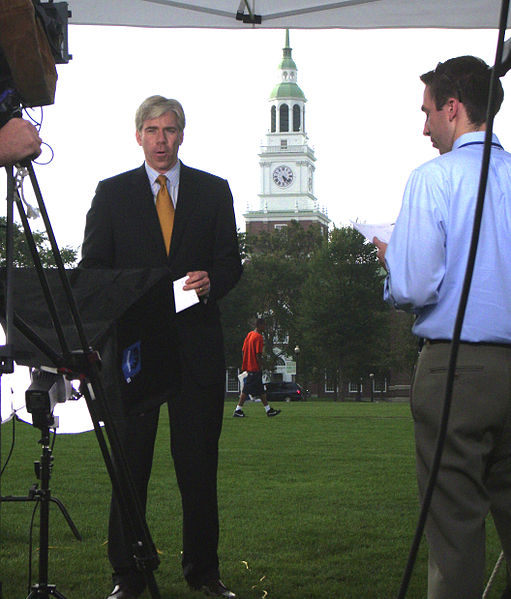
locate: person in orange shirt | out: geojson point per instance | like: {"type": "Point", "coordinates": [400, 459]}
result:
{"type": "Point", "coordinates": [253, 384]}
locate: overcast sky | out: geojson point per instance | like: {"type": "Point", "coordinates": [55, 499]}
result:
{"type": "Point", "coordinates": [363, 113]}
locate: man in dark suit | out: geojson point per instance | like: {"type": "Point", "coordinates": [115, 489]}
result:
{"type": "Point", "coordinates": [183, 222]}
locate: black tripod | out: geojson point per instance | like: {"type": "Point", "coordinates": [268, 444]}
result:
{"type": "Point", "coordinates": [42, 494]}
{"type": "Point", "coordinates": [82, 364]}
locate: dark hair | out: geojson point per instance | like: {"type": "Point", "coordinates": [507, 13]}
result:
{"type": "Point", "coordinates": [466, 78]}
{"type": "Point", "coordinates": [260, 322]}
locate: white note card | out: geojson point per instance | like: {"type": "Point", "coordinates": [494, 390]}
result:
{"type": "Point", "coordinates": [184, 299]}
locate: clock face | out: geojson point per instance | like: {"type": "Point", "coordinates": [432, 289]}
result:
{"type": "Point", "coordinates": [283, 176]}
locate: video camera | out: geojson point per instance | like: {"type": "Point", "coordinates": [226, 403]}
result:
{"type": "Point", "coordinates": [33, 38]}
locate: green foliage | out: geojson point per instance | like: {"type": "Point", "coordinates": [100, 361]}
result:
{"type": "Point", "coordinates": [404, 346]}
{"type": "Point", "coordinates": [275, 267]}
{"type": "Point", "coordinates": [344, 321]}
{"type": "Point", "coordinates": [319, 503]}
{"type": "Point", "coordinates": [323, 295]}
{"type": "Point", "coordinates": [237, 317]}
{"type": "Point", "coordinates": [21, 251]}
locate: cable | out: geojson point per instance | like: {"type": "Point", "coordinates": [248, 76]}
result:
{"type": "Point", "coordinates": [9, 455]}
{"type": "Point", "coordinates": [39, 124]}
{"type": "Point", "coordinates": [461, 310]}
{"type": "Point", "coordinates": [493, 575]}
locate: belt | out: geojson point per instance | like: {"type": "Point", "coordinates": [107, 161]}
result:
{"type": "Point", "coordinates": [474, 343]}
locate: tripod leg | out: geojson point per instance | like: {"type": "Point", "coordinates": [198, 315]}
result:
{"type": "Point", "coordinates": [122, 483]}
{"type": "Point", "coordinates": [44, 507]}
{"type": "Point", "coordinates": [44, 591]}
{"type": "Point", "coordinates": [55, 593]}
{"type": "Point", "coordinates": [67, 517]}
{"type": "Point", "coordinates": [146, 555]}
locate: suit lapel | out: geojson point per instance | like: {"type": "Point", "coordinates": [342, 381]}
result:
{"type": "Point", "coordinates": [142, 194]}
{"type": "Point", "coordinates": [186, 203]}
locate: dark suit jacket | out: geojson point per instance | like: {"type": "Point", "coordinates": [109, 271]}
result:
{"type": "Point", "coordinates": [122, 231]}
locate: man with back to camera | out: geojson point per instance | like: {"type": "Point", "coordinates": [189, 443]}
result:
{"type": "Point", "coordinates": [165, 214]}
{"type": "Point", "coordinates": [426, 260]}
{"type": "Point", "coordinates": [252, 365]}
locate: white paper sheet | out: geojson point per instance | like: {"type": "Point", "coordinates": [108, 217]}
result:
{"type": "Point", "coordinates": [382, 231]}
{"type": "Point", "coordinates": [184, 299]}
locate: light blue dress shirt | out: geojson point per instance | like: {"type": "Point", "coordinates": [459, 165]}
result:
{"type": "Point", "coordinates": [428, 250]}
{"type": "Point", "coordinates": [172, 180]}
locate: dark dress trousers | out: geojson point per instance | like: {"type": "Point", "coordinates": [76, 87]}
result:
{"type": "Point", "coordinates": [182, 359]}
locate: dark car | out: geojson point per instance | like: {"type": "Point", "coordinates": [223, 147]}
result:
{"type": "Point", "coordinates": [285, 392]}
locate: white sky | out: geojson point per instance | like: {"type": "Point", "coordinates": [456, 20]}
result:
{"type": "Point", "coordinates": [363, 113]}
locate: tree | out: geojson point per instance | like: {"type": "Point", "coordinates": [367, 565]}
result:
{"type": "Point", "coordinates": [278, 265]}
{"type": "Point", "coordinates": [323, 295]}
{"type": "Point", "coordinates": [343, 320]}
{"type": "Point", "coordinates": [275, 266]}
{"type": "Point", "coordinates": [21, 251]}
{"type": "Point", "coordinates": [403, 344]}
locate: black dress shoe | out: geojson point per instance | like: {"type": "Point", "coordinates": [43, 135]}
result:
{"type": "Point", "coordinates": [215, 588]}
{"type": "Point", "coordinates": [122, 592]}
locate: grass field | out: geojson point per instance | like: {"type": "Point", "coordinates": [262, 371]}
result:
{"type": "Point", "coordinates": [319, 502]}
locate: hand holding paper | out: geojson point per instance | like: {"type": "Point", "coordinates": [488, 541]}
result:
{"type": "Point", "coordinates": [199, 281]}
{"type": "Point", "coordinates": [382, 248]}
{"type": "Point", "coordinates": [184, 299]}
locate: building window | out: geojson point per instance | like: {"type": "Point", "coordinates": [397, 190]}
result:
{"type": "Point", "coordinates": [296, 118]}
{"type": "Point", "coordinates": [279, 227]}
{"type": "Point", "coordinates": [354, 387]}
{"type": "Point", "coordinates": [329, 383]}
{"type": "Point", "coordinates": [284, 118]}
{"type": "Point", "coordinates": [380, 386]}
{"type": "Point", "coordinates": [273, 119]}
{"type": "Point", "coordinates": [283, 144]}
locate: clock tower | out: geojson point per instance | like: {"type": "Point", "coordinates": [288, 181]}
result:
{"type": "Point", "coordinates": [287, 160]}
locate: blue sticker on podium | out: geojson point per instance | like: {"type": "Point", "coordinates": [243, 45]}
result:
{"type": "Point", "coordinates": [131, 361]}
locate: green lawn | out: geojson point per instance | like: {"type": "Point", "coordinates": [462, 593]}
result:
{"type": "Point", "coordinates": [319, 502]}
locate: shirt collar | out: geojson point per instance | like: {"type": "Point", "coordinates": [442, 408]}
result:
{"type": "Point", "coordinates": [172, 174]}
{"type": "Point", "coordinates": [473, 136]}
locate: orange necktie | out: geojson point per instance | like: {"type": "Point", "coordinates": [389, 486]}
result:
{"type": "Point", "coordinates": [165, 210]}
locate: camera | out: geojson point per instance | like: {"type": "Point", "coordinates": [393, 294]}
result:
{"type": "Point", "coordinates": [33, 38]}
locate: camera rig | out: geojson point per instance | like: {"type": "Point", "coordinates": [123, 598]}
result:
{"type": "Point", "coordinates": [33, 38]}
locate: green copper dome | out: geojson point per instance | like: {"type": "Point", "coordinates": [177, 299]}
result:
{"type": "Point", "coordinates": [287, 89]}
{"type": "Point", "coordinates": [287, 63]}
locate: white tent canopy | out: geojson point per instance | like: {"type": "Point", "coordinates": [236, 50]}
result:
{"type": "Point", "coordinates": [348, 14]}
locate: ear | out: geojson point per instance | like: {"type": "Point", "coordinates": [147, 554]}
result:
{"type": "Point", "coordinates": [138, 137]}
{"type": "Point", "coordinates": [453, 108]}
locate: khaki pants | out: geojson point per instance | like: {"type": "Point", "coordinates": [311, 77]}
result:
{"type": "Point", "coordinates": [475, 471]}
